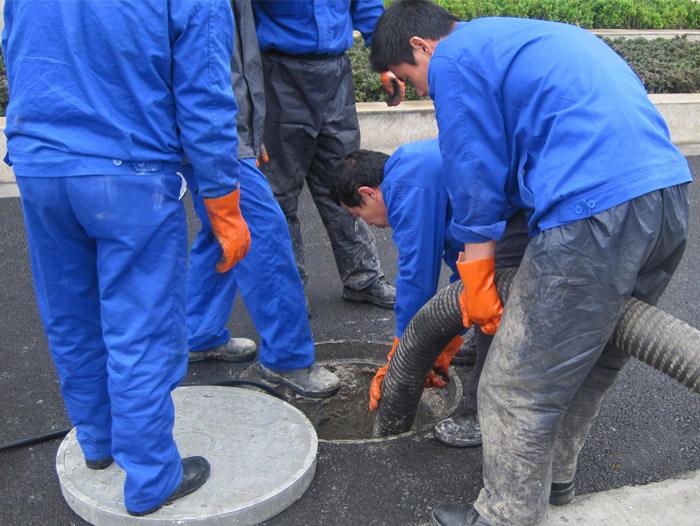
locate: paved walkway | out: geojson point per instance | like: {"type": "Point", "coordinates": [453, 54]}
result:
{"type": "Point", "coordinates": [671, 502]}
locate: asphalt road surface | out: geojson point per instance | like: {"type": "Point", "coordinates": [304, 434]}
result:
{"type": "Point", "coordinates": [648, 430]}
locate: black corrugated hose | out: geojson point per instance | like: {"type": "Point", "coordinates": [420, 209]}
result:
{"type": "Point", "coordinates": [644, 332]}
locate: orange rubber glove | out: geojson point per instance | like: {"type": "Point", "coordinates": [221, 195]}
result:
{"type": "Point", "coordinates": [437, 377]}
{"type": "Point", "coordinates": [442, 364]}
{"type": "Point", "coordinates": [229, 227]}
{"type": "Point", "coordinates": [479, 300]}
{"type": "Point", "coordinates": [375, 388]}
{"type": "Point", "coordinates": [395, 88]}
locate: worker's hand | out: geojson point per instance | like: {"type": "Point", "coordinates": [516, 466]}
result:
{"type": "Point", "coordinates": [229, 227]}
{"type": "Point", "coordinates": [442, 364]}
{"type": "Point", "coordinates": [375, 388]}
{"type": "Point", "coordinates": [479, 300]}
{"type": "Point", "coordinates": [395, 89]}
{"type": "Point", "coordinates": [434, 379]}
{"type": "Point", "coordinates": [263, 158]}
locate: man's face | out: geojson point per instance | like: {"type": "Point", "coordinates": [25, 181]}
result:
{"type": "Point", "coordinates": [372, 209]}
{"type": "Point", "coordinates": [417, 74]}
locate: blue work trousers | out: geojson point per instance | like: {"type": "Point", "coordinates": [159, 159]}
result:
{"type": "Point", "coordinates": [267, 278]}
{"type": "Point", "coordinates": [108, 255]}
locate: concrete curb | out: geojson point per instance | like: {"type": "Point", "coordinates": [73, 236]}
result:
{"type": "Point", "coordinates": [673, 501]}
{"type": "Point", "coordinates": [386, 128]}
{"type": "Point", "coordinates": [693, 35]}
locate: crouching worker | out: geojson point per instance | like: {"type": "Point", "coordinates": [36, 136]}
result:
{"type": "Point", "coordinates": [544, 116]}
{"type": "Point", "coordinates": [406, 191]}
{"type": "Point", "coordinates": [100, 120]}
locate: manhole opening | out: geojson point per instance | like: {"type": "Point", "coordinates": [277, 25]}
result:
{"type": "Point", "coordinates": [346, 416]}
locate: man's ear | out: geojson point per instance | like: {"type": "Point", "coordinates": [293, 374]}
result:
{"type": "Point", "coordinates": [419, 44]}
{"type": "Point", "coordinates": [366, 192]}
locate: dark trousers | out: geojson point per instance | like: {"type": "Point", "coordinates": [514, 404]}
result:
{"type": "Point", "coordinates": [509, 253]}
{"type": "Point", "coordinates": [550, 363]}
{"type": "Point", "coordinates": [311, 124]}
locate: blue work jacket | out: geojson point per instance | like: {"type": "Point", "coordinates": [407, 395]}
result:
{"type": "Point", "coordinates": [419, 213]}
{"type": "Point", "coordinates": [316, 27]}
{"type": "Point", "coordinates": [123, 86]}
{"type": "Point", "coordinates": [544, 116]}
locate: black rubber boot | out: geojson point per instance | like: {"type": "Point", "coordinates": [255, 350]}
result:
{"type": "Point", "coordinates": [457, 515]}
{"type": "Point", "coordinates": [467, 352]}
{"type": "Point", "coordinates": [459, 431]}
{"type": "Point", "coordinates": [235, 350]}
{"type": "Point", "coordinates": [379, 293]}
{"type": "Point", "coordinates": [99, 464]}
{"type": "Point", "coordinates": [195, 472]}
{"type": "Point", "coordinates": [313, 382]}
{"type": "Point", "coordinates": [562, 493]}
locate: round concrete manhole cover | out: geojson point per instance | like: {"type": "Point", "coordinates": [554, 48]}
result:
{"type": "Point", "coordinates": [262, 453]}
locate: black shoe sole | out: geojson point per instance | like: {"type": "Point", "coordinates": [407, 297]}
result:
{"type": "Point", "coordinates": [458, 443]}
{"type": "Point", "coordinates": [278, 380]}
{"type": "Point", "coordinates": [195, 357]}
{"type": "Point", "coordinates": [97, 465]}
{"type": "Point", "coordinates": [178, 493]}
{"type": "Point", "coordinates": [561, 494]}
{"type": "Point", "coordinates": [360, 297]}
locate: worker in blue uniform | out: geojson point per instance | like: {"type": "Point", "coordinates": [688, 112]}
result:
{"type": "Point", "coordinates": [100, 120]}
{"type": "Point", "coordinates": [400, 192]}
{"type": "Point", "coordinates": [267, 277]}
{"type": "Point", "coordinates": [311, 124]}
{"type": "Point", "coordinates": [543, 116]}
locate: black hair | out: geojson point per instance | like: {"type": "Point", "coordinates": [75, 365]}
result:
{"type": "Point", "coordinates": [359, 168]}
{"type": "Point", "coordinates": [401, 21]}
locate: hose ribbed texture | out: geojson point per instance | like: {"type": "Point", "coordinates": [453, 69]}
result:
{"type": "Point", "coordinates": [645, 332]}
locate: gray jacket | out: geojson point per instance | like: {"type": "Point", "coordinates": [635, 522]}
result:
{"type": "Point", "coordinates": [247, 80]}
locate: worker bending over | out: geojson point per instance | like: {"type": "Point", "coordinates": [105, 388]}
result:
{"type": "Point", "coordinates": [406, 191]}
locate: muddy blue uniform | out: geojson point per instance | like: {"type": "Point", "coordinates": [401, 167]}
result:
{"type": "Point", "coordinates": [545, 116]}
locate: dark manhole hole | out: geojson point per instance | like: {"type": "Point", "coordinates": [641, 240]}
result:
{"type": "Point", "coordinates": [345, 417]}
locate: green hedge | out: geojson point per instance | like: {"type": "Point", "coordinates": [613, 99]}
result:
{"type": "Point", "coordinates": [664, 65]}
{"type": "Point", "coordinates": [3, 87]}
{"type": "Point", "coordinates": [621, 14]}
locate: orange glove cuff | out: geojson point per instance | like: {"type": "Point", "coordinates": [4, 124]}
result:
{"type": "Point", "coordinates": [442, 364]}
{"type": "Point", "coordinates": [479, 300]}
{"type": "Point", "coordinates": [375, 388]}
{"type": "Point", "coordinates": [229, 227]}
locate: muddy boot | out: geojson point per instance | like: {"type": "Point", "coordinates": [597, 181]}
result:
{"type": "Point", "coordinates": [314, 381]}
{"type": "Point", "coordinates": [562, 493]}
{"type": "Point", "coordinates": [467, 352]}
{"type": "Point", "coordinates": [459, 431]}
{"type": "Point", "coordinates": [379, 293]}
{"type": "Point", "coordinates": [234, 350]}
{"type": "Point", "coordinates": [457, 515]}
{"type": "Point", "coordinates": [195, 472]}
